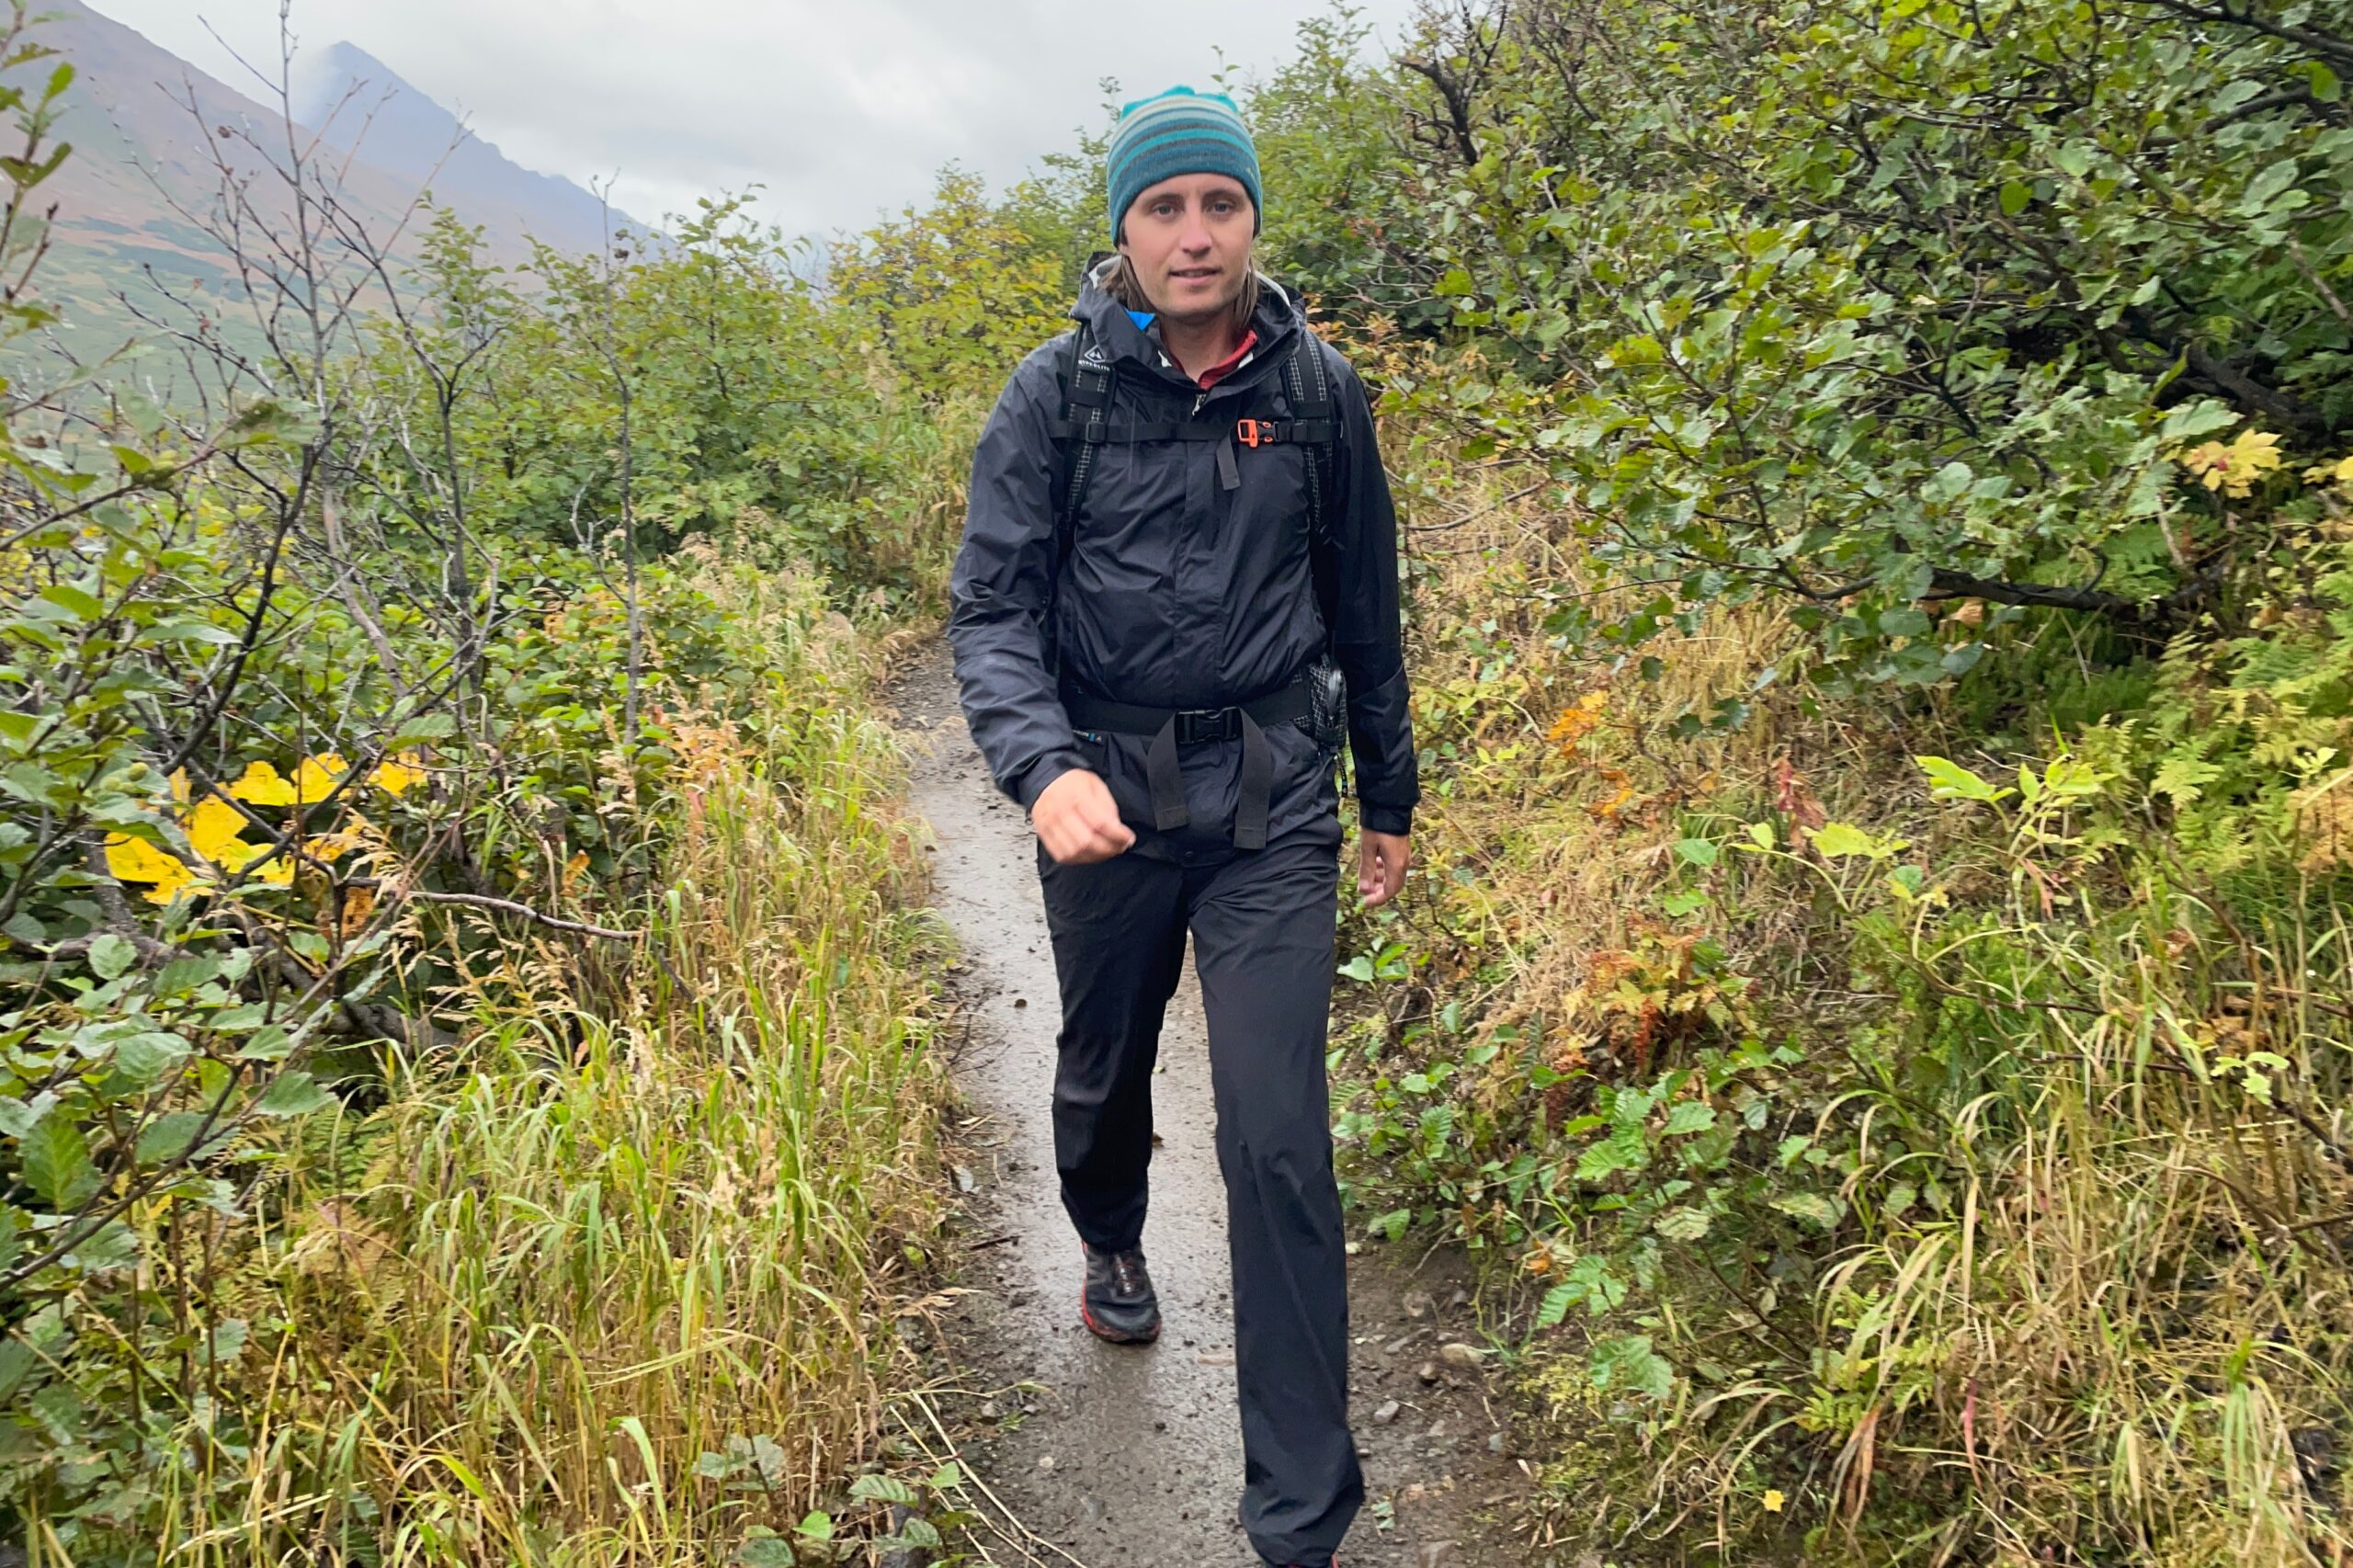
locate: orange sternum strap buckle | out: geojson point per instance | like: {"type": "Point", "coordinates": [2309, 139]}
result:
{"type": "Point", "coordinates": [1266, 432]}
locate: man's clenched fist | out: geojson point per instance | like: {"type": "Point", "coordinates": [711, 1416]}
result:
{"type": "Point", "coordinates": [1077, 821]}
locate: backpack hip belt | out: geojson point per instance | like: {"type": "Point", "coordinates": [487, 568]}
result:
{"type": "Point", "coordinates": [1172, 727]}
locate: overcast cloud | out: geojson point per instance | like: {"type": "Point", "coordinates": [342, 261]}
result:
{"type": "Point", "coordinates": [840, 109]}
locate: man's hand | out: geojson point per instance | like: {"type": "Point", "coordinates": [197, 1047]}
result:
{"type": "Point", "coordinates": [1077, 821]}
{"type": "Point", "coordinates": [1381, 860]}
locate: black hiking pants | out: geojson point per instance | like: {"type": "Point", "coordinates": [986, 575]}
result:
{"type": "Point", "coordinates": [1262, 927]}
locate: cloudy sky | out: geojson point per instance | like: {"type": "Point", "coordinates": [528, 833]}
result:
{"type": "Point", "coordinates": [840, 109]}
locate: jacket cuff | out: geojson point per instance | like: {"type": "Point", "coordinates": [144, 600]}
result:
{"type": "Point", "coordinates": [1398, 820]}
{"type": "Point", "coordinates": [1043, 772]}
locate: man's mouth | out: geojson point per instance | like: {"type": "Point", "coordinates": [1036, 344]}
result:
{"type": "Point", "coordinates": [1194, 274]}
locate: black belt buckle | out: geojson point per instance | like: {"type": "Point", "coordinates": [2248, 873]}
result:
{"type": "Point", "coordinates": [1198, 726]}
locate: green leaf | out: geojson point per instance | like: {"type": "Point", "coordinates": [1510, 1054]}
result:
{"type": "Point", "coordinates": [187, 629]}
{"type": "Point", "coordinates": [1697, 851]}
{"type": "Point", "coordinates": [1689, 1116]}
{"type": "Point", "coordinates": [111, 956]}
{"type": "Point", "coordinates": [112, 1245]}
{"type": "Point", "coordinates": [227, 1339]}
{"type": "Point", "coordinates": [17, 1362]}
{"type": "Point", "coordinates": [56, 1162]}
{"type": "Point", "coordinates": [1836, 840]}
{"type": "Point", "coordinates": [1556, 1305]}
{"type": "Point", "coordinates": [2269, 186]}
{"type": "Point", "coordinates": [2182, 779]}
{"type": "Point", "coordinates": [168, 1136]}
{"type": "Point", "coordinates": [294, 1093]}
{"type": "Point", "coordinates": [19, 1116]}
{"type": "Point", "coordinates": [1682, 1224]}
{"type": "Point", "coordinates": [884, 1489]}
{"type": "Point", "coordinates": [817, 1526]}
{"type": "Point", "coordinates": [72, 600]}
{"type": "Point", "coordinates": [1626, 1362]}
{"type": "Point", "coordinates": [1623, 1150]}
{"type": "Point", "coordinates": [1358, 968]}
{"type": "Point", "coordinates": [1948, 780]}
{"type": "Point", "coordinates": [774, 1551]}
{"type": "Point", "coordinates": [2016, 194]}
{"type": "Point", "coordinates": [1821, 1212]}
{"type": "Point", "coordinates": [424, 727]}
{"type": "Point", "coordinates": [144, 1057]}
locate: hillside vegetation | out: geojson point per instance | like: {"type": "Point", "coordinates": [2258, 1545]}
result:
{"type": "Point", "coordinates": [1880, 496]}
{"type": "Point", "coordinates": [463, 1072]}
{"type": "Point", "coordinates": [1881, 557]}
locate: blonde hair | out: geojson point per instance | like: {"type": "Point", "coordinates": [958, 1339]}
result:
{"type": "Point", "coordinates": [1118, 278]}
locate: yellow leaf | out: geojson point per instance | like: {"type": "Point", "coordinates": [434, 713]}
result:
{"type": "Point", "coordinates": [262, 785]}
{"type": "Point", "coordinates": [214, 830]}
{"type": "Point", "coordinates": [1773, 1501]}
{"type": "Point", "coordinates": [279, 872]}
{"type": "Point", "coordinates": [331, 846]}
{"type": "Point", "coordinates": [396, 775]}
{"type": "Point", "coordinates": [136, 860]}
{"type": "Point", "coordinates": [318, 776]}
{"type": "Point", "coordinates": [168, 888]}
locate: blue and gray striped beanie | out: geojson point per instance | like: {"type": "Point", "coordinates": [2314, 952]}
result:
{"type": "Point", "coordinates": [1179, 132]}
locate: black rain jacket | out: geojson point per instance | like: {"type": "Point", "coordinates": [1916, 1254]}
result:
{"type": "Point", "coordinates": [1178, 592]}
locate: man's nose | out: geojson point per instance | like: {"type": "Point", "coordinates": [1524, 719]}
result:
{"type": "Point", "coordinates": [1196, 234]}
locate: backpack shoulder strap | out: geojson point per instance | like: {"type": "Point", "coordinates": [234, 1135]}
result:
{"type": "Point", "coordinates": [1088, 378]}
{"type": "Point", "coordinates": [1309, 384]}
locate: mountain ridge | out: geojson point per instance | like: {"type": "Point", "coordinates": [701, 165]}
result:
{"type": "Point", "coordinates": [129, 241]}
{"type": "Point", "coordinates": [411, 135]}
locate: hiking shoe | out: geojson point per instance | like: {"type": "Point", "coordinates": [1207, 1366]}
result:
{"type": "Point", "coordinates": [1117, 1303]}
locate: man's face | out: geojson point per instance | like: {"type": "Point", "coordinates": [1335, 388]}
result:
{"type": "Point", "coordinates": [1189, 240]}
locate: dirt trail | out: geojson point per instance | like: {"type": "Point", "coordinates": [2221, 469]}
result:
{"type": "Point", "coordinates": [1125, 1458]}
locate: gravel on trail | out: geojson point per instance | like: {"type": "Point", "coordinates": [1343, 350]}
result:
{"type": "Point", "coordinates": [1121, 1456]}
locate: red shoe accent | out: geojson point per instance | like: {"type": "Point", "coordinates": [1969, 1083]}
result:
{"type": "Point", "coordinates": [1099, 1331]}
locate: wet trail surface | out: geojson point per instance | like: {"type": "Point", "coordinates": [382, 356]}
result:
{"type": "Point", "coordinates": [1121, 1456]}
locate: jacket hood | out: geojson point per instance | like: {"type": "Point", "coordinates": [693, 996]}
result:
{"type": "Point", "coordinates": [1280, 314]}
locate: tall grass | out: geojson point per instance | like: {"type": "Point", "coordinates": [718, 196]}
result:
{"type": "Point", "coordinates": [2073, 1107]}
{"type": "Point", "coordinates": [612, 1281]}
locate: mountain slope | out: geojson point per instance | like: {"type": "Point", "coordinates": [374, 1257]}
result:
{"type": "Point", "coordinates": [415, 140]}
{"type": "Point", "coordinates": [128, 236]}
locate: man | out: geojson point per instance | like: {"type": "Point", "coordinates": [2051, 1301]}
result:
{"type": "Point", "coordinates": [1180, 538]}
